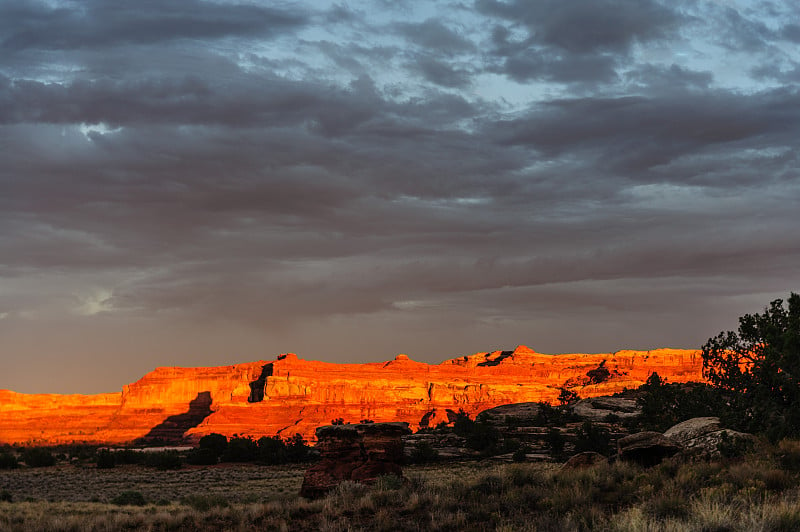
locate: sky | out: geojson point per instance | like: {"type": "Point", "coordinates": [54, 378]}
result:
{"type": "Point", "coordinates": [199, 183]}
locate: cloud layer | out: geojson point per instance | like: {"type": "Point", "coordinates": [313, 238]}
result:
{"type": "Point", "coordinates": [213, 182]}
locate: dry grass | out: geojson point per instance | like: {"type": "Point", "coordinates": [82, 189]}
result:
{"type": "Point", "coordinates": [238, 483]}
{"type": "Point", "coordinates": [757, 494]}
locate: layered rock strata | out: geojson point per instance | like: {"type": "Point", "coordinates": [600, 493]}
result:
{"type": "Point", "coordinates": [290, 395]}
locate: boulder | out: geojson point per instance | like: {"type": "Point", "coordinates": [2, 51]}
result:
{"type": "Point", "coordinates": [703, 437]}
{"type": "Point", "coordinates": [585, 460]}
{"type": "Point", "coordinates": [647, 448]}
{"type": "Point", "coordinates": [693, 428]}
{"type": "Point", "coordinates": [361, 452]}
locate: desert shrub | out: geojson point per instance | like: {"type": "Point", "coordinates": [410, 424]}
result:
{"type": "Point", "coordinates": [240, 449]}
{"type": "Point", "coordinates": [480, 435]}
{"type": "Point", "coordinates": [297, 449]}
{"type": "Point", "coordinates": [205, 502]}
{"type": "Point", "coordinates": [549, 415]}
{"type": "Point", "coordinates": [129, 498]}
{"type": "Point", "coordinates": [489, 484]}
{"type": "Point", "coordinates": [38, 457]}
{"type": "Point", "coordinates": [105, 459]}
{"type": "Point", "coordinates": [555, 442]}
{"type": "Point", "coordinates": [789, 455]}
{"type": "Point", "coordinates": [272, 450]}
{"type": "Point", "coordinates": [520, 455]}
{"type": "Point", "coordinates": [590, 437]}
{"type": "Point", "coordinates": [732, 447]}
{"type": "Point", "coordinates": [510, 445]}
{"type": "Point", "coordinates": [79, 451]}
{"type": "Point", "coordinates": [666, 506]}
{"type": "Point", "coordinates": [388, 482]}
{"type": "Point", "coordinates": [423, 453]}
{"type": "Point", "coordinates": [567, 397]}
{"type": "Point", "coordinates": [201, 456]}
{"type": "Point", "coordinates": [129, 456]}
{"type": "Point", "coordinates": [164, 460]}
{"type": "Point", "coordinates": [8, 461]}
{"type": "Point", "coordinates": [216, 443]}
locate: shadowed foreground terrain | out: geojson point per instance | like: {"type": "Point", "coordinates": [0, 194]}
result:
{"type": "Point", "coordinates": [759, 492]}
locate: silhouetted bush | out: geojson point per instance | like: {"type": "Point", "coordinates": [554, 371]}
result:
{"type": "Point", "coordinates": [164, 460]}
{"type": "Point", "coordinates": [297, 449]}
{"type": "Point", "coordinates": [664, 405]}
{"type": "Point", "coordinates": [272, 450]}
{"type": "Point", "coordinates": [81, 451]}
{"type": "Point", "coordinates": [128, 456]}
{"type": "Point", "coordinates": [567, 397]}
{"type": "Point", "coordinates": [201, 456]}
{"type": "Point", "coordinates": [106, 459]}
{"type": "Point", "coordinates": [549, 416]}
{"type": "Point", "coordinates": [555, 442]}
{"type": "Point", "coordinates": [5, 496]}
{"type": "Point", "coordinates": [129, 498]}
{"type": "Point", "coordinates": [520, 455]}
{"type": "Point", "coordinates": [590, 437]}
{"type": "Point", "coordinates": [216, 443]}
{"type": "Point", "coordinates": [480, 435]}
{"type": "Point", "coordinates": [38, 457]}
{"type": "Point", "coordinates": [423, 453]}
{"type": "Point", "coordinates": [731, 447]}
{"type": "Point", "coordinates": [8, 461]}
{"type": "Point", "coordinates": [240, 449]}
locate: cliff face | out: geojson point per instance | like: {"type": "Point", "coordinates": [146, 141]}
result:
{"type": "Point", "coordinates": [290, 395]}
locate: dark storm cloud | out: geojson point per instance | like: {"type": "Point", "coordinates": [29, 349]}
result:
{"type": "Point", "coordinates": [659, 78]}
{"type": "Point", "coordinates": [571, 42]}
{"type": "Point", "coordinates": [190, 100]}
{"type": "Point", "coordinates": [25, 24]}
{"type": "Point", "coordinates": [632, 134]}
{"type": "Point", "coordinates": [341, 176]}
{"type": "Point", "coordinates": [441, 73]}
{"type": "Point", "coordinates": [587, 26]}
{"type": "Point", "coordinates": [435, 36]}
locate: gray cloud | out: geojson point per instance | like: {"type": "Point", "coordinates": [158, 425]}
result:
{"type": "Point", "coordinates": [435, 36]}
{"type": "Point", "coordinates": [115, 23]}
{"type": "Point", "coordinates": [350, 184]}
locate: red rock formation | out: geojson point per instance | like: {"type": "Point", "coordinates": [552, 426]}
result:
{"type": "Point", "coordinates": [290, 395]}
{"type": "Point", "coordinates": [361, 453]}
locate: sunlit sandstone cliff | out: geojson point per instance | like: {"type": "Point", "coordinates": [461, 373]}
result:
{"type": "Point", "coordinates": [290, 395]}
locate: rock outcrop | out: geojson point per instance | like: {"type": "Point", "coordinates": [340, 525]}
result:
{"type": "Point", "coordinates": [361, 452]}
{"type": "Point", "coordinates": [290, 395]}
{"type": "Point", "coordinates": [704, 437]}
{"type": "Point", "coordinates": [647, 448]}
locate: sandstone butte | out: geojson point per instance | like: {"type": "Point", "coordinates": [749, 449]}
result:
{"type": "Point", "coordinates": [290, 395]}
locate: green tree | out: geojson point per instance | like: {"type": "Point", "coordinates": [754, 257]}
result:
{"type": "Point", "coordinates": [760, 365]}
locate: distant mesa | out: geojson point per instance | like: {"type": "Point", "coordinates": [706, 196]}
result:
{"type": "Point", "coordinates": [290, 395]}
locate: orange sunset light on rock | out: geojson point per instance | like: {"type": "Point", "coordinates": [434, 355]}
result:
{"type": "Point", "coordinates": [290, 395]}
